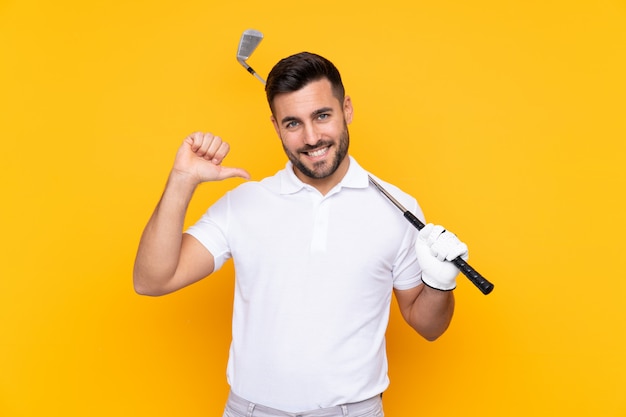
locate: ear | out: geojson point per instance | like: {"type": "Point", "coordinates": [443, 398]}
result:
{"type": "Point", "coordinates": [275, 123]}
{"type": "Point", "coordinates": [348, 110]}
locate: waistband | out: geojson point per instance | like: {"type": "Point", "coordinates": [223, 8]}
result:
{"type": "Point", "coordinates": [249, 409]}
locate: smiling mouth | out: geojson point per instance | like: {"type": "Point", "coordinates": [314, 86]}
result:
{"type": "Point", "coordinates": [318, 152]}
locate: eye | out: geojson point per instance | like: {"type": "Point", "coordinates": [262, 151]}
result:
{"type": "Point", "coordinates": [323, 116]}
{"type": "Point", "coordinates": [291, 124]}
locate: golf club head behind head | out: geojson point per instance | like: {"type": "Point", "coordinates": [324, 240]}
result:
{"type": "Point", "coordinates": [249, 41]}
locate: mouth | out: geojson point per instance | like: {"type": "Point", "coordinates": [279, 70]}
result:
{"type": "Point", "coordinates": [317, 153]}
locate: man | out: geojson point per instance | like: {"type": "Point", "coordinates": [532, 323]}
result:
{"type": "Point", "coordinates": [318, 253]}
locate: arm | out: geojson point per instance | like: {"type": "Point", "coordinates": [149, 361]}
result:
{"type": "Point", "coordinates": [167, 259]}
{"type": "Point", "coordinates": [429, 308]}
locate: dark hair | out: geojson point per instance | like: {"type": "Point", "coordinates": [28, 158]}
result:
{"type": "Point", "coordinates": [296, 71]}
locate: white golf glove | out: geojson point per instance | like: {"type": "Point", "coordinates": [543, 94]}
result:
{"type": "Point", "coordinates": [435, 247]}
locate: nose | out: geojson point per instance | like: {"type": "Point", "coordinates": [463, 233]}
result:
{"type": "Point", "coordinates": [311, 135]}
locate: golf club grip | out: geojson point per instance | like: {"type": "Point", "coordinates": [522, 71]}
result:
{"type": "Point", "coordinates": [414, 220]}
{"type": "Point", "coordinates": [478, 280]}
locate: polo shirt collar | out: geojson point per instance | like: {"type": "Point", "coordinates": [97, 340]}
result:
{"type": "Point", "coordinates": [356, 177]}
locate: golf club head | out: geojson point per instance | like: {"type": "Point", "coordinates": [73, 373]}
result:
{"type": "Point", "coordinates": [249, 41]}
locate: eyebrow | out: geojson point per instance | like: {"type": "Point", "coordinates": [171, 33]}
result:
{"type": "Point", "coordinates": [314, 114]}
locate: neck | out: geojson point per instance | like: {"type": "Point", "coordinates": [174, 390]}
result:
{"type": "Point", "coordinates": [324, 185]}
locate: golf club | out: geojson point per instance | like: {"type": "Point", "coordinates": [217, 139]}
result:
{"type": "Point", "coordinates": [478, 280]}
{"type": "Point", "coordinates": [250, 39]}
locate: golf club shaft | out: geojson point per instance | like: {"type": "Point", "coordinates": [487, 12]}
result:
{"type": "Point", "coordinates": [477, 279]}
{"type": "Point", "coordinates": [253, 72]}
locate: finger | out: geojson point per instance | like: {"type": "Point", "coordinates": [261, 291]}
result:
{"type": "Point", "coordinates": [442, 247]}
{"type": "Point", "coordinates": [430, 233]}
{"type": "Point", "coordinates": [459, 250]}
{"type": "Point", "coordinates": [435, 233]}
{"type": "Point", "coordinates": [195, 140]}
{"type": "Point", "coordinates": [208, 142]}
{"type": "Point", "coordinates": [449, 247]}
{"type": "Point", "coordinates": [216, 150]}
{"type": "Point", "coordinates": [425, 232]}
{"type": "Point", "coordinates": [456, 249]}
{"type": "Point", "coordinates": [230, 172]}
{"type": "Point", "coordinates": [219, 153]}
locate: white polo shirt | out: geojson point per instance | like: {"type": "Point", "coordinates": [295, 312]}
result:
{"type": "Point", "coordinates": [314, 280]}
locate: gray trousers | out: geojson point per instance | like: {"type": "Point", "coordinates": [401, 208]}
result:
{"type": "Point", "coordinates": [238, 407]}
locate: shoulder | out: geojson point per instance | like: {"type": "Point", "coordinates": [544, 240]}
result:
{"type": "Point", "coordinates": [253, 193]}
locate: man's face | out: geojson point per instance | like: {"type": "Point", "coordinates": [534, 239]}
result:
{"type": "Point", "coordinates": [313, 127]}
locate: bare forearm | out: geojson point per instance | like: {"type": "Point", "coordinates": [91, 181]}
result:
{"type": "Point", "coordinates": [159, 249]}
{"type": "Point", "coordinates": [432, 312]}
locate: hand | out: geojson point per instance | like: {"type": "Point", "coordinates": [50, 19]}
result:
{"type": "Point", "coordinates": [200, 158]}
{"type": "Point", "coordinates": [435, 247]}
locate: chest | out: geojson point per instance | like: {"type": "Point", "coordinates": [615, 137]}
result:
{"type": "Point", "coordinates": [355, 234]}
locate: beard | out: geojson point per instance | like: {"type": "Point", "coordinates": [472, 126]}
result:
{"type": "Point", "coordinates": [322, 169]}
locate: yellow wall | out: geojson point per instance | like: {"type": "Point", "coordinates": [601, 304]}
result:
{"type": "Point", "coordinates": [505, 119]}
